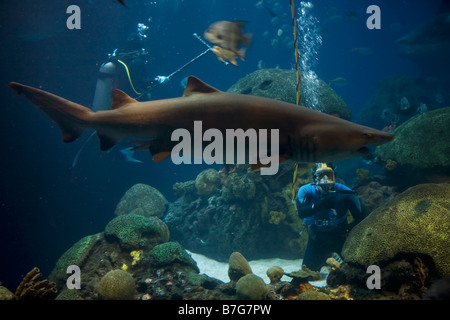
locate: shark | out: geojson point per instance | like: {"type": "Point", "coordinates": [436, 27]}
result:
{"type": "Point", "coordinates": [304, 135]}
{"type": "Point", "coordinates": [429, 42]}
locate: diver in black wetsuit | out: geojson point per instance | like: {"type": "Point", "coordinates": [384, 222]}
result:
{"type": "Point", "coordinates": [329, 210]}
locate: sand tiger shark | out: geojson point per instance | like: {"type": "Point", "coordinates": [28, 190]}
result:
{"type": "Point", "coordinates": [304, 135]}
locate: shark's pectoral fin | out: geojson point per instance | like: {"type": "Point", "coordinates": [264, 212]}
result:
{"type": "Point", "coordinates": [161, 156]}
{"type": "Point", "coordinates": [267, 162]}
{"type": "Point", "coordinates": [158, 149]}
{"type": "Point", "coordinates": [106, 142]}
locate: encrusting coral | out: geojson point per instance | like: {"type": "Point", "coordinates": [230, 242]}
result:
{"type": "Point", "coordinates": [31, 289]}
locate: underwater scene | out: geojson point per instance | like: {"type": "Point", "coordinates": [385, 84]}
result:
{"type": "Point", "coordinates": [225, 150]}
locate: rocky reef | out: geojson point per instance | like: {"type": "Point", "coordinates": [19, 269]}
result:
{"type": "Point", "coordinates": [420, 151]}
{"type": "Point", "coordinates": [407, 238]}
{"type": "Point", "coordinates": [234, 213]}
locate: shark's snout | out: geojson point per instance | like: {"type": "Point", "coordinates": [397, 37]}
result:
{"type": "Point", "coordinates": [378, 137]}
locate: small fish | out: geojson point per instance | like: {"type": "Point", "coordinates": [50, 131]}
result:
{"type": "Point", "coordinates": [352, 16]}
{"type": "Point", "coordinates": [226, 55]}
{"type": "Point", "coordinates": [339, 81]}
{"type": "Point", "coordinates": [362, 50]}
{"type": "Point", "coordinates": [279, 33]}
{"type": "Point", "coordinates": [422, 108]}
{"type": "Point", "coordinates": [122, 2]}
{"type": "Point", "coordinates": [228, 35]}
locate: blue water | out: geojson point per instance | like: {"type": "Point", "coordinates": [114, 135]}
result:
{"type": "Point", "coordinates": [45, 204]}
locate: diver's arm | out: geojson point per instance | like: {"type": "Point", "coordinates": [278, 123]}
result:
{"type": "Point", "coordinates": [306, 206]}
{"type": "Point", "coordinates": [355, 209]}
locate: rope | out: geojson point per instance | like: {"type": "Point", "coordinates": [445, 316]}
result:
{"type": "Point", "coordinates": [297, 88]}
{"type": "Point", "coordinates": [297, 55]}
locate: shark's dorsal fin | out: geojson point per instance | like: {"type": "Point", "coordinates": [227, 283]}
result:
{"type": "Point", "coordinates": [195, 85]}
{"type": "Point", "coordinates": [121, 99]}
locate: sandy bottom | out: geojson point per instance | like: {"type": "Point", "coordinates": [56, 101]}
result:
{"type": "Point", "coordinates": [219, 270]}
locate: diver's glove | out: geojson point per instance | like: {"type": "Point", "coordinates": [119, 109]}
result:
{"type": "Point", "coordinates": [162, 79]}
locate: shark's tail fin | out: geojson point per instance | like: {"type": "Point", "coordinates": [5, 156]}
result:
{"type": "Point", "coordinates": [71, 117]}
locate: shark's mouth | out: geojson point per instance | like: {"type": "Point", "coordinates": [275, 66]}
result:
{"type": "Point", "coordinates": [363, 151]}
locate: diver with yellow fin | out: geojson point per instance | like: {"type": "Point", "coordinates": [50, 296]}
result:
{"type": "Point", "coordinates": [329, 210]}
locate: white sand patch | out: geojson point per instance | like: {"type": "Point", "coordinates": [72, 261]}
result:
{"type": "Point", "coordinates": [219, 270]}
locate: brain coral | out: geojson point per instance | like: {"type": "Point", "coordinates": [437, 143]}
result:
{"type": "Point", "coordinates": [116, 285]}
{"type": "Point", "coordinates": [281, 85]}
{"type": "Point", "coordinates": [251, 287]}
{"type": "Point", "coordinates": [415, 222]}
{"type": "Point", "coordinates": [144, 200]}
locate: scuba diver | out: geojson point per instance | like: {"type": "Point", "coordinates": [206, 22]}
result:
{"type": "Point", "coordinates": [329, 210]}
{"type": "Point", "coordinates": [132, 59]}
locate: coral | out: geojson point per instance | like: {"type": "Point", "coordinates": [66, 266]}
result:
{"type": "Point", "coordinates": [303, 275]}
{"type": "Point", "coordinates": [251, 287]}
{"type": "Point", "coordinates": [341, 293]}
{"type": "Point", "coordinates": [420, 146]}
{"type": "Point", "coordinates": [134, 232]}
{"type": "Point", "coordinates": [390, 164]}
{"type": "Point", "coordinates": [144, 200]}
{"type": "Point", "coordinates": [69, 294]}
{"type": "Point", "coordinates": [276, 217]}
{"type": "Point", "coordinates": [275, 273]}
{"type": "Point", "coordinates": [372, 194]}
{"type": "Point", "coordinates": [182, 188]}
{"type": "Point", "coordinates": [117, 285]}
{"type": "Point", "coordinates": [31, 289]}
{"type": "Point", "coordinates": [420, 271]}
{"type": "Point", "coordinates": [412, 222]}
{"type": "Point", "coordinates": [207, 181]}
{"type": "Point", "coordinates": [169, 253]}
{"type": "Point", "coordinates": [313, 295]}
{"type": "Point", "coordinates": [333, 263]}
{"type": "Point", "coordinates": [146, 297]}
{"type": "Point", "coordinates": [362, 174]}
{"type": "Point", "coordinates": [238, 187]}
{"type": "Point", "coordinates": [76, 255]}
{"type": "Point", "coordinates": [136, 255]}
{"type": "Point", "coordinates": [281, 85]}
{"type": "Point", "coordinates": [5, 294]}
{"type": "Point", "coordinates": [234, 219]}
{"type": "Point", "coordinates": [238, 266]}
